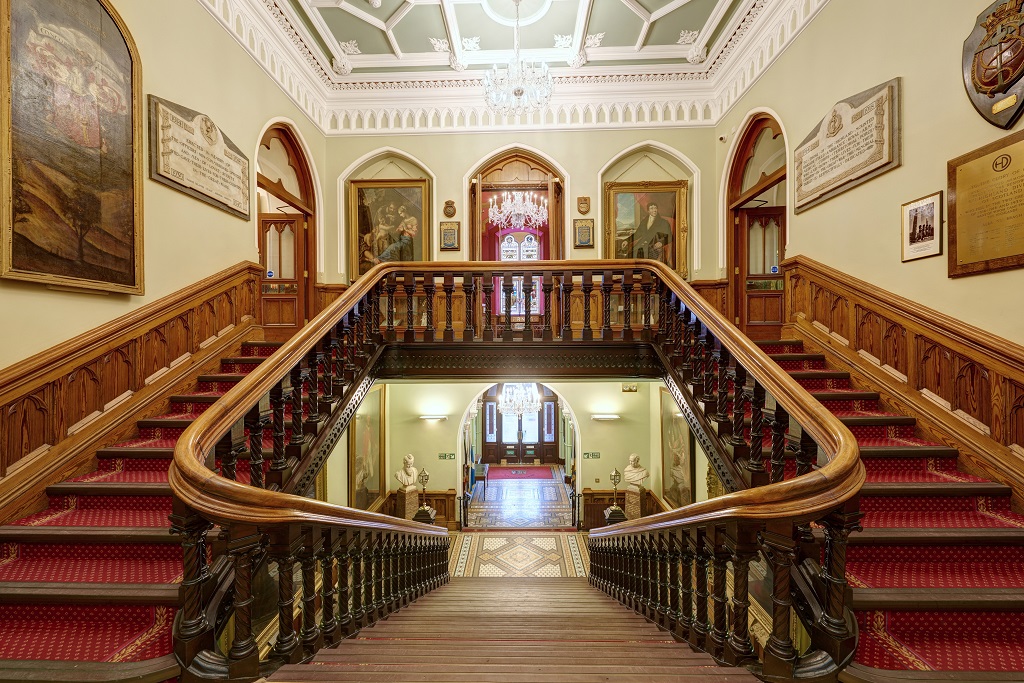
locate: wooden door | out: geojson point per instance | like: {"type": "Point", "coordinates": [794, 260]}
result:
{"type": "Point", "coordinates": [520, 439]}
{"type": "Point", "coordinates": [283, 289]}
{"type": "Point", "coordinates": [759, 282]}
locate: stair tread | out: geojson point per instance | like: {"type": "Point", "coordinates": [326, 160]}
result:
{"type": "Point", "coordinates": [73, 534]}
{"type": "Point", "coordinates": [952, 488]}
{"type": "Point", "coordinates": [87, 593]}
{"type": "Point", "coordinates": [100, 488]}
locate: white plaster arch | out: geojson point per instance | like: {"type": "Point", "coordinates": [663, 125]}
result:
{"type": "Point", "coordinates": [723, 189]}
{"type": "Point", "coordinates": [695, 191]}
{"type": "Point", "coordinates": [318, 194]}
{"type": "Point", "coordinates": [468, 177]}
{"type": "Point", "coordinates": [342, 198]}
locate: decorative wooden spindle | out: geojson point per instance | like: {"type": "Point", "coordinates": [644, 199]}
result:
{"type": "Point", "coordinates": [739, 405]}
{"type": "Point", "coordinates": [806, 456]}
{"type": "Point", "coordinates": [332, 545]}
{"type": "Point", "coordinates": [378, 574]}
{"type": "Point", "coordinates": [676, 324]}
{"type": "Point", "coordinates": [838, 527]}
{"type": "Point", "coordinates": [359, 336]}
{"type": "Point", "coordinates": [338, 360]}
{"type": "Point", "coordinates": [646, 286]}
{"type": "Point", "coordinates": [391, 287]}
{"type": "Point", "coordinates": [230, 446]}
{"type": "Point", "coordinates": [685, 322]}
{"type": "Point", "coordinates": [355, 549]}
{"type": "Point", "coordinates": [687, 566]}
{"type": "Point", "coordinates": [606, 299]}
{"type": "Point", "coordinates": [756, 461]}
{"type": "Point", "coordinates": [507, 290]}
{"type": "Point", "coordinates": [719, 565]}
{"type": "Point", "coordinates": [375, 312]}
{"type": "Point", "coordinates": [370, 578]}
{"type": "Point", "coordinates": [255, 422]}
{"type": "Point", "coordinates": [547, 286]}
{"type": "Point", "coordinates": [348, 352]}
{"type": "Point", "coordinates": [407, 569]}
{"type": "Point", "coordinates": [243, 644]}
{"type": "Point", "coordinates": [722, 398]}
{"type": "Point", "coordinates": [701, 558]}
{"type": "Point", "coordinates": [392, 573]}
{"type": "Point", "coordinates": [428, 290]}
{"type": "Point", "coordinates": [743, 549]}
{"type": "Point", "coordinates": [449, 289]}
{"type": "Point", "coordinates": [193, 530]}
{"type": "Point", "coordinates": [647, 576]}
{"type": "Point", "coordinates": [469, 292]}
{"type": "Point", "coordinates": [567, 286]}
{"type": "Point", "coordinates": [313, 384]}
{"type": "Point", "coordinates": [325, 358]}
{"type": "Point", "coordinates": [779, 551]}
{"type": "Point", "coordinates": [628, 281]}
{"type": "Point", "coordinates": [487, 285]}
{"type": "Point", "coordinates": [346, 578]}
{"type": "Point", "coordinates": [664, 585]}
{"type": "Point", "coordinates": [528, 295]}
{"type": "Point", "coordinates": [310, 635]}
{"type": "Point", "coordinates": [587, 288]}
{"type": "Point", "coordinates": [287, 643]}
{"type": "Point", "coordinates": [279, 460]}
{"type": "Point", "coordinates": [711, 353]}
{"type": "Point", "coordinates": [296, 379]}
{"type": "Point", "coordinates": [673, 540]}
{"type": "Point", "coordinates": [697, 359]}
{"type": "Point", "coordinates": [780, 425]}
{"type": "Point", "coordinates": [409, 287]}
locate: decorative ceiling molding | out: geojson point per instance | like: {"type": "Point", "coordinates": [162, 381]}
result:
{"type": "Point", "coordinates": [682, 94]}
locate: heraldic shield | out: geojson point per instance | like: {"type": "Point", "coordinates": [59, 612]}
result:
{"type": "Point", "coordinates": [993, 63]}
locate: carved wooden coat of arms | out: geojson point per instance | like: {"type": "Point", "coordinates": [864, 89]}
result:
{"type": "Point", "coordinates": [993, 63]}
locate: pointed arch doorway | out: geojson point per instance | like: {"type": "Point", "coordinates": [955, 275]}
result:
{"type": "Point", "coordinates": [756, 195]}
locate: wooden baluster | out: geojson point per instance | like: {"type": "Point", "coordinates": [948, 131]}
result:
{"type": "Point", "coordinates": [630, 573]}
{"type": "Point", "coordinates": [567, 286]}
{"type": "Point", "coordinates": [378, 575]}
{"type": "Point", "coordinates": [287, 643]}
{"type": "Point", "coordinates": [697, 360]}
{"type": "Point", "coordinates": [255, 422]}
{"type": "Point", "coordinates": [407, 569]}
{"type": "Point", "coordinates": [332, 545]}
{"type": "Point", "coordinates": [338, 360]}
{"type": "Point", "coordinates": [242, 551]}
{"type": "Point", "coordinates": [684, 626]}
{"type": "Point", "coordinates": [588, 288]}
{"type": "Point", "coordinates": [487, 284]}
{"type": "Point", "coordinates": [780, 551]}
{"type": "Point", "coordinates": [646, 578]}
{"type": "Point", "coordinates": [229, 447]}
{"type": "Point", "coordinates": [313, 382]}
{"type": "Point", "coordinates": [327, 346]}
{"type": "Point", "coordinates": [838, 527]}
{"type": "Point", "coordinates": [672, 541]}
{"type": "Point", "coordinates": [469, 291]}
{"type": "Point", "coordinates": [722, 411]}
{"type": "Point", "coordinates": [279, 460]}
{"type": "Point", "coordinates": [606, 296]}
{"type": "Point", "coordinates": [421, 567]}
{"type": "Point", "coordinates": [343, 555]}
{"type": "Point", "coordinates": [390, 288]}
{"type": "Point", "coordinates": [675, 322]}
{"type": "Point", "coordinates": [348, 350]}
{"type": "Point", "coordinates": [547, 285]}
{"type": "Point", "coordinates": [719, 555]}
{"type": "Point", "coordinates": [780, 425]}
{"type": "Point", "coordinates": [310, 636]}
{"type": "Point", "coordinates": [739, 409]}
{"type": "Point", "coordinates": [699, 627]}
{"type": "Point", "coordinates": [528, 294]}
{"type": "Point", "coordinates": [805, 458]}
{"type": "Point", "coordinates": [449, 290]}
{"type": "Point", "coordinates": [429, 287]}
{"type": "Point", "coordinates": [193, 530]}
{"type": "Point", "coordinates": [297, 377]}
{"type": "Point", "coordinates": [756, 461]}
{"type": "Point", "coordinates": [507, 287]}
{"type": "Point", "coordinates": [742, 543]}
{"type": "Point", "coordinates": [375, 315]}
{"type": "Point", "coordinates": [370, 570]}
{"type": "Point", "coordinates": [646, 286]}
{"type": "Point", "coordinates": [664, 582]}
{"type": "Point", "coordinates": [359, 333]}
{"type": "Point", "coordinates": [628, 280]}
{"type": "Point", "coordinates": [409, 287]}
{"type": "Point", "coordinates": [685, 322]}
{"type": "Point", "coordinates": [355, 548]}
{"type": "Point", "coordinates": [711, 352]}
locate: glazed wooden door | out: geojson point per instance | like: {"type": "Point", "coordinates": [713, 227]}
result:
{"type": "Point", "coordinates": [759, 289]}
{"type": "Point", "coordinates": [521, 439]}
{"type": "Point", "coordinates": [283, 289]}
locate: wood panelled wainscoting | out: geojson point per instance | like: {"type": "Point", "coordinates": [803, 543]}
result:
{"type": "Point", "coordinates": [56, 405]}
{"type": "Point", "coordinates": [326, 294]}
{"type": "Point", "coordinates": [714, 292]}
{"type": "Point", "coordinates": [595, 502]}
{"type": "Point", "coordinates": [443, 502]}
{"type": "Point", "coordinates": [966, 384]}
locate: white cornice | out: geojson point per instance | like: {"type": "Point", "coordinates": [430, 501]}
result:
{"type": "Point", "coordinates": [640, 96]}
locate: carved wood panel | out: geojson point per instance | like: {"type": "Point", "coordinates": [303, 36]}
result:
{"type": "Point", "coordinates": [934, 369]}
{"type": "Point", "coordinates": [972, 390]}
{"type": "Point", "coordinates": [714, 292]}
{"type": "Point", "coordinates": [1015, 414]}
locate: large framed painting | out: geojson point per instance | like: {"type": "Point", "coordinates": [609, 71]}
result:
{"type": "Point", "coordinates": [366, 441]}
{"type": "Point", "coordinates": [677, 459]}
{"type": "Point", "coordinates": [70, 146]}
{"type": "Point", "coordinates": [389, 221]}
{"type": "Point", "coordinates": [646, 220]}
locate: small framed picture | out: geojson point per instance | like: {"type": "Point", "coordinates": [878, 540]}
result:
{"type": "Point", "coordinates": [450, 235]}
{"type": "Point", "coordinates": [583, 233]}
{"type": "Point", "coordinates": [922, 227]}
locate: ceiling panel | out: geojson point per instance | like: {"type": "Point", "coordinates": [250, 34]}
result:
{"type": "Point", "coordinates": [345, 27]}
{"type": "Point", "coordinates": [417, 27]}
{"type": "Point", "coordinates": [690, 17]}
{"type": "Point", "coordinates": [620, 25]}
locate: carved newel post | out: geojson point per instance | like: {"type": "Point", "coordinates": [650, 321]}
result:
{"type": "Point", "coordinates": [614, 514]}
{"type": "Point", "coordinates": [424, 513]}
{"type": "Point", "coordinates": [407, 500]}
{"type": "Point", "coordinates": [635, 475]}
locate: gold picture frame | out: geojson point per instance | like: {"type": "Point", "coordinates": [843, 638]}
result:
{"type": "Point", "coordinates": [450, 235]}
{"type": "Point", "coordinates": [389, 221]}
{"type": "Point", "coordinates": [633, 229]}
{"type": "Point", "coordinates": [367, 481]}
{"type": "Point", "coordinates": [677, 457]}
{"type": "Point", "coordinates": [583, 233]}
{"type": "Point", "coordinates": [62, 222]}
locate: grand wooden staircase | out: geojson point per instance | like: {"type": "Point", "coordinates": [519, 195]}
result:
{"type": "Point", "coordinates": [483, 630]}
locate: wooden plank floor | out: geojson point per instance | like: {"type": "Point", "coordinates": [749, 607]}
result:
{"type": "Point", "coordinates": [523, 630]}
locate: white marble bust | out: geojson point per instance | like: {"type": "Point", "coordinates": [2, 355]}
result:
{"type": "Point", "coordinates": [407, 475]}
{"type": "Point", "coordinates": [634, 475]}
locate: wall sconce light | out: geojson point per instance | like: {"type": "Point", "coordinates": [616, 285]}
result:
{"type": "Point", "coordinates": [604, 416]}
{"type": "Point", "coordinates": [434, 418]}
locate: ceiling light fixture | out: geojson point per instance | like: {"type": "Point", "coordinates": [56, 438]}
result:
{"type": "Point", "coordinates": [604, 416]}
{"type": "Point", "coordinates": [519, 399]}
{"type": "Point", "coordinates": [517, 210]}
{"type": "Point", "coordinates": [434, 418]}
{"type": "Point", "coordinates": [520, 87]}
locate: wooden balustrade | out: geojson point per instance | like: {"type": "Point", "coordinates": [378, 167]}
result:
{"type": "Point", "coordinates": [671, 567]}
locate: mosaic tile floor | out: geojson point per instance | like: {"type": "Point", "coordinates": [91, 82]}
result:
{"type": "Point", "coordinates": [521, 503]}
{"type": "Point", "coordinates": [540, 554]}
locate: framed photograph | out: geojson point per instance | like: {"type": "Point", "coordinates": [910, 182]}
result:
{"type": "Point", "coordinates": [922, 227]}
{"type": "Point", "coordinates": [70, 146]}
{"type": "Point", "coordinates": [646, 220]}
{"type": "Point", "coordinates": [450, 235]}
{"type": "Point", "coordinates": [366, 441]}
{"type": "Point", "coordinates": [677, 459]}
{"type": "Point", "coordinates": [391, 220]}
{"type": "Point", "coordinates": [583, 233]}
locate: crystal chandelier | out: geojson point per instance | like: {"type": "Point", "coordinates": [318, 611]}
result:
{"type": "Point", "coordinates": [520, 87]}
{"type": "Point", "coordinates": [518, 210]}
{"type": "Point", "coordinates": [519, 399]}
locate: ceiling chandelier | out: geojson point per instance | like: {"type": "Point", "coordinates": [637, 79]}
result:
{"type": "Point", "coordinates": [520, 87]}
{"type": "Point", "coordinates": [518, 210]}
{"type": "Point", "coordinates": [519, 399]}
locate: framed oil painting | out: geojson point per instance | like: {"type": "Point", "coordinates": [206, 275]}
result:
{"type": "Point", "coordinates": [677, 459]}
{"type": "Point", "coordinates": [646, 220]}
{"type": "Point", "coordinates": [366, 439]}
{"type": "Point", "coordinates": [392, 222]}
{"type": "Point", "coordinates": [921, 227]}
{"type": "Point", "coordinates": [71, 154]}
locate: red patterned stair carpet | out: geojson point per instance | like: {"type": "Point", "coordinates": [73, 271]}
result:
{"type": "Point", "coordinates": [940, 547]}
{"type": "Point", "coordinates": [520, 472]}
{"type": "Point", "coordinates": [107, 527]}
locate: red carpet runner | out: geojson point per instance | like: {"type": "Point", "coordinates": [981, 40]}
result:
{"type": "Point", "coordinates": [519, 472]}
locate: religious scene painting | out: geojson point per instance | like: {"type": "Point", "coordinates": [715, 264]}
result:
{"type": "Point", "coordinates": [71, 157]}
{"type": "Point", "coordinates": [676, 454]}
{"type": "Point", "coordinates": [366, 451]}
{"type": "Point", "coordinates": [647, 220]}
{"type": "Point", "coordinates": [391, 219]}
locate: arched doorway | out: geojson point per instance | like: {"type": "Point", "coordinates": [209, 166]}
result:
{"type": "Point", "coordinates": [756, 195]}
{"type": "Point", "coordinates": [286, 238]}
{"type": "Point", "coordinates": [520, 437]}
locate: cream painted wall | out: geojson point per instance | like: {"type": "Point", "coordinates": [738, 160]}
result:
{"type": "Point", "coordinates": [188, 58]}
{"type": "Point", "coordinates": [850, 47]}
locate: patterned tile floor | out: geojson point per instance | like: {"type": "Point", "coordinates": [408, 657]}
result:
{"type": "Point", "coordinates": [522, 503]}
{"type": "Point", "coordinates": [520, 554]}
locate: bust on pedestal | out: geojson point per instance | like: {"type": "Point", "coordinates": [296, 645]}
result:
{"type": "Point", "coordinates": [408, 498]}
{"type": "Point", "coordinates": [634, 475]}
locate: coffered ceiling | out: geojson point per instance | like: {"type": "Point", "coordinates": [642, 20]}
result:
{"type": "Point", "coordinates": [416, 66]}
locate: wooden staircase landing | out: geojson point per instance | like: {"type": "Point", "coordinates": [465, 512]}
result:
{"type": "Point", "coordinates": [510, 631]}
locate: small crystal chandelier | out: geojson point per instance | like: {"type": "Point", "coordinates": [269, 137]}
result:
{"type": "Point", "coordinates": [518, 210]}
{"type": "Point", "coordinates": [520, 87]}
{"type": "Point", "coordinates": [519, 399]}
